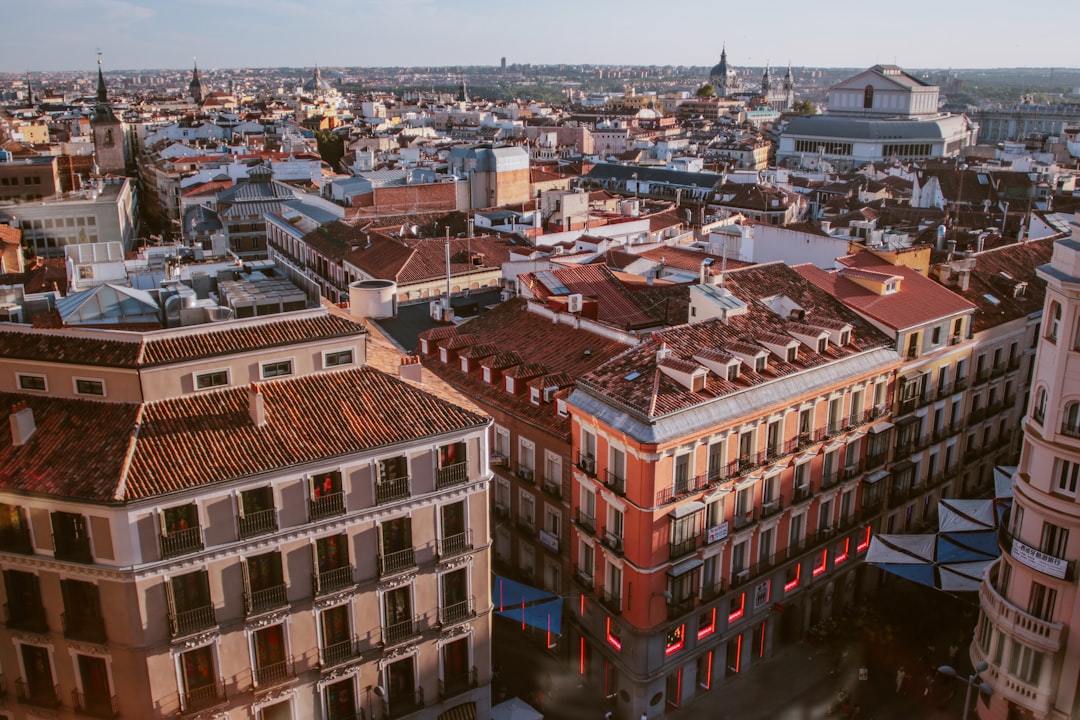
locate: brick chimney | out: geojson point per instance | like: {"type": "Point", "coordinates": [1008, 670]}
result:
{"type": "Point", "coordinates": [22, 424]}
{"type": "Point", "coordinates": [256, 406]}
{"type": "Point", "coordinates": [410, 369]}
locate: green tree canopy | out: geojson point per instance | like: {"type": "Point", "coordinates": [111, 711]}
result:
{"type": "Point", "coordinates": [706, 91]}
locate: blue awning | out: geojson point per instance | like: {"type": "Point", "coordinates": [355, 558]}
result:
{"type": "Point", "coordinates": [524, 603]}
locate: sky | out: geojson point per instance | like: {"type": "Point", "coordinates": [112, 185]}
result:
{"type": "Point", "coordinates": [51, 35]}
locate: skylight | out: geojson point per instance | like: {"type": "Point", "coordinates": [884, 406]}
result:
{"type": "Point", "coordinates": [633, 376]}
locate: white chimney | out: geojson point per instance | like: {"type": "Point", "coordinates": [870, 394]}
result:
{"type": "Point", "coordinates": [256, 406]}
{"type": "Point", "coordinates": [410, 369]}
{"type": "Point", "coordinates": [22, 424]}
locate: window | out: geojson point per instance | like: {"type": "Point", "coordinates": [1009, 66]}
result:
{"type": "Point", "coordinates": [198, 675]}
{"type": "Point", "coordinates": [85, 386]}
{"type": "Point", "coordinates": [935, 335]}
{"type": "Point", "coordinates": [797, 530]}
{"type": "Point", "coordinates": [527, 511]}
{"type": "Point", "coordinates": [772, 439]}
{"type": "Point", "coordinates": [264, 583]}
{"type": "Point", "coordinates": [453, 466]}
{"type": "Point", "coordinates": [502, 495]}
{"type": "Point", "coordinates": [456, 605]}
{"type": "Point", "coordinates": [684, 533]}
{"type": "Point", "coordinates": [332, 568]}
{"type": "Point", "coordinates": [326, 497]}
{"type": "Point", "coordinates": [270, 652]}
{"type": "Point", "coordinates": [1025, 663]}
{"type": "Point", "coordinates": [458, 675]}
{"type": "Point", "coordinates": [500, 452]}
{"type": "Point", "coordinates": [1039, 410]}
{"type": "Point", "coordinates": [552, 521]}
{"type": "Point", "coordinates": [34, 383]}
{"type": "Point", "coordinates": [454, 538]}
{"type": "Point", "coordinates": [40, 687]}
{"type": "Point", "coordinates": [1055, 540]}
{"type": "Point", "coordinates": [682, 474]}
{"type": "Point", "coordinates": [392, 482]}
{"type": "Point", "coordinates": [191, 608]}
{"type": "Point", "coordinates": [1070, 423]}
{"type": "Point", "coordinates": [96, 698]}
{"type": "Point", "coordinates": [1042, 601]}
{"type": "Point", "coordinates": [82, 616]}
{"type": "Point", "coordinates": [217, 378]}
{"type": "Point", "coordinates": [258, 515]}
{"type": "Point", "coordinates": [280, 368]}
{"type": "Point", "coordinates": [337, 358]}
{"type": "Point", "coordinates": [868, 97]}
{"type": "Point", "coordinates": [1055, 322]}
{"type": "Point", "coordinates": [396, 545]}
{"type": "Point", "coordinates": [526, 460]}
{"type": "Point", "coordinates": [24, 604]}
{"type": "Point", "coordinates": [1066, 474]}
{"type": "Point", "coordinates": [71, 537]}
{"type": "Point", "coordinates": [14, 530]}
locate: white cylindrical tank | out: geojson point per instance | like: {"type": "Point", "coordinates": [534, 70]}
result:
{"type": "Point", "coordinates": [373, 299]}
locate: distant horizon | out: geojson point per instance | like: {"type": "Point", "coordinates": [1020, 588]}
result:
{"type": "Point", "coordinates": [65, 35]}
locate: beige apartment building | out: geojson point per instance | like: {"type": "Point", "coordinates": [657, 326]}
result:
{"type": "Point", "coordinates": [237, 520]}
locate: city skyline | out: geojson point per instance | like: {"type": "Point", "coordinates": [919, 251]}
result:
{"type": "Point", "coordinates": [62, 35]}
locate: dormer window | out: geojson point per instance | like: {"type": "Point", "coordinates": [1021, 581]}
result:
{"type": "Point", "coordinates": [822, 345]}
{"type": "Point", "coordinates": [487, 375]}
{"type": "Point", "coordinates": [760, 363]}
{"type": "Point", "coordinates": [845, 337]}
{"type": "Point", "coordinates": [509, 384]}
{"type": "Point", "coordinates": [793, 353]}
{"type": "Point", "coordinates": [733, 371]}
{"type": "Point", "coordinates": [891, 287]}
{"type": "Point", "coordinates": [534, 395]}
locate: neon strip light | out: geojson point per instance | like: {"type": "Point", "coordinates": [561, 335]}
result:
{"type": "Point", "coordinates": [612, 640]}
{"type": "Point", "coordinates": [792, 584]}
{"type": "Point", "coordinates": [865, 542]}
{"type": "Point", "coordinates": [820, 567]}
{"type": "Point", "coordinates": [708, 629]}
{"type": "Point", "coordinates": [522, 613]}
{"type": "Point", "coordinates": [736, 614]}
{"type": "Point", "coordinates": [841, 557]}
{"type": "Point", "coordinates": [708, 671]}
{"type": "Point", "coordinates": [761, 650]}
{"type": "Point", "coordinates": [582, 605]}
{"type": "Point", "coordinates": [738, 652]}
{"type": "Point", "coordinates": [581, 661]}
{"type": "Point", "coordinates": [678, 685]}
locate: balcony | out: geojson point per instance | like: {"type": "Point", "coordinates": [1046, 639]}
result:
{"type": "Point", "coordinates": [770, 508]}
{"type": "Point", "coordinates": [877, 459]}
{"type": "Point", "coordinates": [615, 483]}
{"type": "Point", "coordinates": [38, 694]}
{"type": "Point", "coordinates": [327, 505]}
{"type": "Point", "coordinates": [259, 522]}
{"type": "Point", "coordinates": [271, 598]}
{"type": "Point", "coordinates": [552, 488]}
{"type": "Point", "coordinates": [1006, 538]}
{"type": "Point", "coordinates": [323, 583]}
{"type": "Point", "coordinates": [273, 674]}
{"type": "Point", "coordinates": [745, 519]}
{"type": "Point", "coordinates": [89, 628]}
{"type": "Point", "coordinates": [400, 632]}
{"type": "Point", "coordinates": [391, 489]}
{"type": "Point", "coordinates": [401, 704]}
{"type": "Point", "coordinates": [457, 684]}
{"type": "Point", "coordinates": [27, 617]}
{"type": "Point", "coordinates": [526, 524]}
{"type": "Point", "coordinates": [455, 613]}
{"type": "Point", "coordinates": [397, 561]}
{"type": "Point", "coordinates": [1072, 431]}
{"type": "Point", "coordinates": [451, 475]}
{"type": "Point", "coordinates": [1043, 635]}
{"type": "Point", "coordinates": [187, 622]}
{"type": "Point", "coordinates": [181, 542]}
{"type": "Point", "coordinates": [611, 599]}
{"type": "Point", "coordinates": [95, 706]}
{"type": "Point", "coordinates": [586, 522]}
{"type": "Point", "coordinates": [583, 579]}
{"type": "Point", "coordinates": [16, 539]}
{"type": "Point", "coordinates": [800, 493]}
{"type": "Point", "coordinates": [525, 473]}
{"type": "Point", "coordinates": [679, 607]}
{"type": "Point", "coordinates": [944, 390]}
{"type": "Point", "coordinates": [997, 370]}
{"type": "Point", "coordinates": [339, 653]}
{"type": "Point", "coordinates": [586, 463]}
{"type": "Point", "coordinates": [73, 548]}
{"type": "Point", "coordinates": [830, 479]}
{"type": "Point", "coordinates": [456, 544]}
{"type": "Point", "coordinates": [201, 698]}
{"type": "Point", "coordinates": [612, 542]}
{"type": "Point", "coordinates": [683, 547]}
{"type": "Point", "coordinates": [681, 488]}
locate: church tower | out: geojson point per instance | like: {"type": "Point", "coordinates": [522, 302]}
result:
{"type": "Point", "coordinates": [719, 75]}
{"type": "Point", "coordinates": [109, 146]}
{"type": "Point", "coordinates": [31, 99]}
{"type": "Point", "coordinates": [195, 86]}
{"type": "Point", "coordinates": [789, 89]}
{"type": "Point", "coordinates": [766, 84]}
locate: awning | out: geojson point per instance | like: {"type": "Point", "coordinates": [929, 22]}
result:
{"type": "Point", "coordinates": [464, 711]}
{"type": "Point", "coordinates": [687, 509]}
{"type": "Point", "coordinates": [877, 476]}
{"type": "Point", "coordinates": [909, 419]}
{"type": "Point", "coordinates": [685, 566]}
{"type": "Point", "coordinates": [881, 427]}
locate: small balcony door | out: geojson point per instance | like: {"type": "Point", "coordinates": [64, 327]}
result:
{"type": "Point", "coordinates": [341, 700]}
{"type": "Point", "coordinates": [97, 697]}
{"type": "Point", "coordinates": [40, 686]}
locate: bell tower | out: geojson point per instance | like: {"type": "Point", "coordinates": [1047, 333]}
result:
{"type": "Point", "coordinates": [110, 150]}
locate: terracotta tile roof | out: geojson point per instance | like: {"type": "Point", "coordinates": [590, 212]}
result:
{"type": "Point", "coordinates": [996, 274]}
{"type": "Point", "coordinates": [632, 379]}
{"type": "Point", "coordinates": [918, 302]}
{"type": "Point", "coordinates": [168, 346]}
{"type": "Point", "coordinates": [10, 235]}
{"type": "Point", "coordinates": [616, 304]}
{"type": "Point", "coordinates": [688, 259]}
{"type": "Point", "coordinates": [562, 351]}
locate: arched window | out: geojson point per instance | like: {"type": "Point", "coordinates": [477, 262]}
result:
{"type": "Point", "coordinates": [1054, 325]}
{"type": "Point", "coordinates": [868, 97]}
{"type": "Point", "coordinates": [1039, 410]}
{"type": "Point", "coordinates": [1070, 424]}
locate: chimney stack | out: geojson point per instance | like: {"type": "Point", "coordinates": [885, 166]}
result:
{"type": "Point", "coordinates": [22, 424]}
{"type": "Point", "coordinates": [256, 406]}
{"type": "Point", "coordinates": [410, 369]}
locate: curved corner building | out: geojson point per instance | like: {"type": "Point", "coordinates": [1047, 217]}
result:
{"type": "Point", "coordinates": [1029, 598]}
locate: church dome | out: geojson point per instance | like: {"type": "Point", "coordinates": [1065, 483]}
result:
{"type": "Point", "coordinates": [317, 84]}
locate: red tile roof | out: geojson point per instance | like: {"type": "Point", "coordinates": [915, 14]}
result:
{"type": "Point", "coordinates": [996, 274]}
{"type": "Point", "coordinates": [617, 305]}
{"type": "Point", "coordinates": [113, 452]}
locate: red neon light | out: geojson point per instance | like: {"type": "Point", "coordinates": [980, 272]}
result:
{"type": "Point", "coordinates": [738, 652]}
{"type": "Point", "coordinates": [865, 542]}
{"type": "Point", "coordinates": [792, 584]}
{"type": "Point", "coordinates": [501, 606]}
{"type": "Point", "coordinates": [612, 640]}
{"type": "Point", "coordinates": [678, 685]}
{"type": "Point", "coordinates": [841, 557]}
{"type": "Point", "coordinates": [761, 649]}
{"type": "Point", "coordinates": [708, 671]}
{"type": "Point", "coordinates": [820, 567]}
{"type": "Point", "coordinates": [678, 644]}
{"type": "Point", "coordinates": [549, 630]}
{"type": "Point", "coordinates": [582, 605]}
{"type": "Point", "coordinates": [736, 614]}
{"type": "Point", "coordinates": [581, 661]}
{"type": "Point", "coordinates": [708, 629]}
{"type": "Point", "coordinates": [522, 613]}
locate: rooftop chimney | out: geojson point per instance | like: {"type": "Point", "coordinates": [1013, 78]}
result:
{"type": "Point", "coordinates": [22, 424]}
{"type": "Point", "coordinates": [410, 369]}
{"type": "Point", "coordinates": [256, 406]}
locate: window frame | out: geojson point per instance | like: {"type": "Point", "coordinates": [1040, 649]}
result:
{"type": "Point", "coordinates": [263, 366]}
{"type": "Point", "coordinates": [19, 377]}
{"type": "Point", "coordinates": [196, 376]}
{"type": "Point", "coordinates": [76, 380]}
{"type": "Point", "coordinates": [328, 354]}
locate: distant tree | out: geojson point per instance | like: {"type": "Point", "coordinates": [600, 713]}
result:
{"type": "Point", "coordinates": [331, 147]}
{"type": "Point", "coordinates": [804, 107]}
{"type": "Point", "coordinates": [706, 91]}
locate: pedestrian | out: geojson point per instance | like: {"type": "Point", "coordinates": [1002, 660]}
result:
{"type": "Point", "coordinates": [901, 676]}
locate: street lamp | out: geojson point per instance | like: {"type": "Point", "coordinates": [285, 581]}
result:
{"type": "Point", "coordinates": [973, 681]}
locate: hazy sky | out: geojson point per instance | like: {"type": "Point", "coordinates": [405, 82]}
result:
{"type": "Point", "coordinates": [132, 34]}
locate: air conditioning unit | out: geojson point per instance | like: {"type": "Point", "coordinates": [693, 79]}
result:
{"type": "Point", "coordinates": [526, 474]}
{"type": "Point", "coordinates": [742, 576]}
{"type": "Point", "coordinates": [573, 303]}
